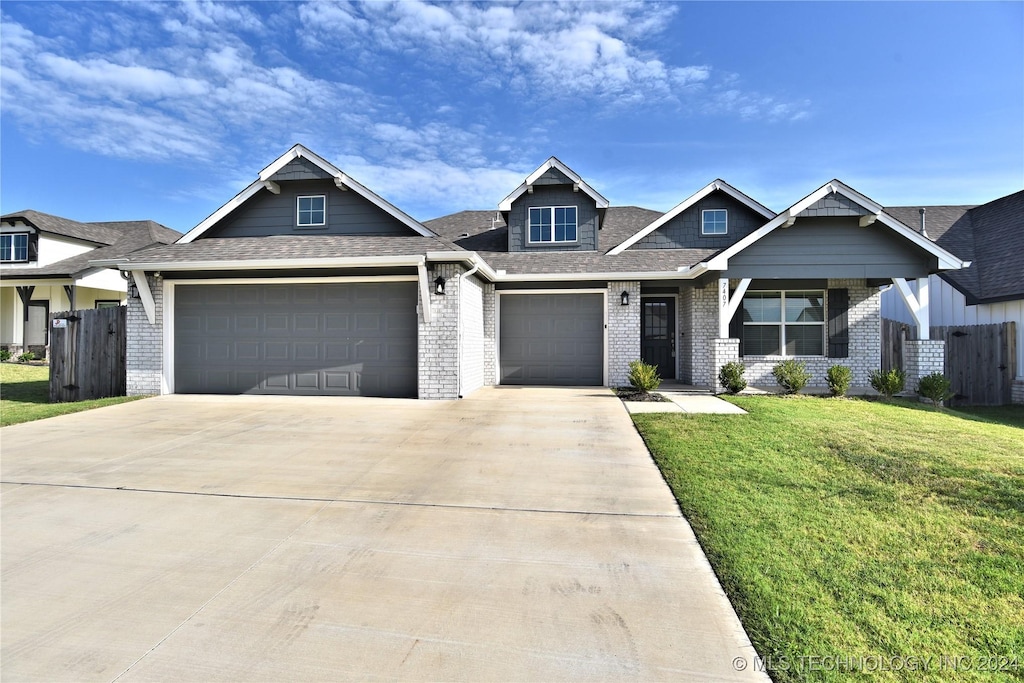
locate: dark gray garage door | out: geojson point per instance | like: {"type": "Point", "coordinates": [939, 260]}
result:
{"type": "Point", "coordinates": [552, 339]}
{"type": "Point", "coordinates": [308, 339]}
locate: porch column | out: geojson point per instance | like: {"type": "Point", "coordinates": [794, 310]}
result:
{"type": "Point", "coordinates": [623, 333]}
{"type": "Point", "coordinates": [725, 349]}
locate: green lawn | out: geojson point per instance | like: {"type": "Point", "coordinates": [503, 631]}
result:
{"type": "Point", "coordinates": [24, 395]}
{"type": "Point", "coordinates": [854, 529]}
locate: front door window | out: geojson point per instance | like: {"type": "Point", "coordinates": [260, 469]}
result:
{"type": "Point", "coordinates": [658, 340]}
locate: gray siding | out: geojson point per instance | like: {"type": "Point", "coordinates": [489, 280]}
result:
{"type": "Point", "coordinates": [683, 231]}
{"type": "Point", "coordinates": [553, 195]}
{"type": "Point", "coordinates": [830, 248]}
{"type": "Point", "coordinates": [348, 213]}
{"type": "Point", "coordinates": [834, 205]}
{"type": "Point", "coordinates": [301, 169]}
{"type": "Point", "coordinates": [553, 176]}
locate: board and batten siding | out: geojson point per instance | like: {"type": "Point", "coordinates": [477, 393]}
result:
{"type": "Point", "coordinates": [831, 248]}
{"type": "Point", "coordinates": [553, 195]}
{"type": "Point", "coordinates": [684, 230]}
{"type": "Point", "coordinates": [948, 307]}
{"type": "Point", "coordinates": [348, 213]}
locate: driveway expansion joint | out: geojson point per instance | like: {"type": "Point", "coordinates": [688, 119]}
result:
{"type": "Point", "coordinates": [359, 501]}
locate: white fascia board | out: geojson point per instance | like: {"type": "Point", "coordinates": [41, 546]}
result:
{"type": "Point", "coordinates": [685, 274]}
{"type": "Point", "coordinates": [700, 194]}
{"type": "Point", "coordinates": [277, 264]}
{"type": "Point", "coordinates": [385, 205]}
{"type": "Point", "coordinates": [469, 257]}
{"type": "Point", "coordinates": [553, 162]}
{"type": "Point", "coordinates": [39, 282]}
{"type": "Point", "coordinates": [220, 213]}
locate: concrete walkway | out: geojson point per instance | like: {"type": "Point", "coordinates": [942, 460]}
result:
{"type": "Point", "coordinates": [685, 402]}
{"type": "Point", "coordinates": [519, 534]}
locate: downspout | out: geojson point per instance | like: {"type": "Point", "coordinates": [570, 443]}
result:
{"type": "Point", "coordinates": [458, 324]}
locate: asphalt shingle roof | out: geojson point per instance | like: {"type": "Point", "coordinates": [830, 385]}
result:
{"type": "Point", "coordinates": [991, 236]}
{"type": "Point", "coordinates": [291, 247]}
{"type": "Point", "coordinates": [116, 239]}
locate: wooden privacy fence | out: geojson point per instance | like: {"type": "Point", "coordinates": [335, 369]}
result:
{"type": "Point", "coordinates": [87, 354]}
{"type": "Point", "coordinates": [981, 360]}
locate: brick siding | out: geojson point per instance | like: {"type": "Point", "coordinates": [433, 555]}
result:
{"type": "Point", "coordinates": [145, 353]}
{"type": "Point", "coordinates": [623, 331]}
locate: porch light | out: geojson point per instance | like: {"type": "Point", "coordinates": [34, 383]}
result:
{"type": "Point", "coordinates": [625, 298]}
{"type": "Point", "coordinates": [439, 285]}
{"type": "Point", "coordinates": [133, 291]}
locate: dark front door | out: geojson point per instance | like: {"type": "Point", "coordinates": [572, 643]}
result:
{"type": "Point", "coordinates": [658, 337]}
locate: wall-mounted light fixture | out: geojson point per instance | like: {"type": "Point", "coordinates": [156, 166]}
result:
{"type": "Point", "coordinates": [133, 290]}
{"type": "Point", "coordinates": [625, 298]}
{"type": "Point", "coordinates": [439, 285]}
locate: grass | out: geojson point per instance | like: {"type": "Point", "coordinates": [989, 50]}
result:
{"type": "Point", "coordinates": [858, 529]}
{"type": "Point", "coordinates": [25, 395]}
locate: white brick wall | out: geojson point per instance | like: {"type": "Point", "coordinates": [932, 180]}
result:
{"type": "Point", "coordinates": [723, 351]}
{"type": "Point", "coordinates": [490, 341]}
{"type": "Point", "coordinates": [623, 331]}
{"type": "Point", "coordinates": [1017, 391]}
{"type": "Point", "coordinates": [703, 329]}
{"type": "Point", "coordinates": [439, 339]}
{"type": "Point", "coordinates": [145, 352]}
{"type": "Point", "coordinates": [922, 357]}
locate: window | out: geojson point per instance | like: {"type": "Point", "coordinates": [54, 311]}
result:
{"type": "Point", "coordinates": [714, 222]}
{"type": "Point", "coordinates": [784, 323]}
{"type": "Point", "coordinates": [553, 224]}
{"type": "Point", "coordinates": [14, 247]}
{"type": "Point", "coordinates": [107, 303]}
{"type": "Point", "coordinates": [312, 211]}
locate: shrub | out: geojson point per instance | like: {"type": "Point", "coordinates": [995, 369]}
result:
{"type": "Point", "coordinates": [935, 387]}
{"type": "Point", "coordinates": [839, 378]}
{"type": "Point", "coordinates": [5, 355]}
{"type": "Point", "coordinates": [791, 375]}
{"type": "Point", "coordinates": [643, 376]}
{"type": "Point", "coordinates": [888, 383]}
{"type": "Point", "coordinates": [26, 357]}
{"type": "Point", "coordinates": [731, 377]}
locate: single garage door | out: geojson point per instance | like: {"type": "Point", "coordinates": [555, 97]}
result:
{"type": "Point", "coordinates": [337, 339]}
{"type": "Point", "coordinates": [555, 339]}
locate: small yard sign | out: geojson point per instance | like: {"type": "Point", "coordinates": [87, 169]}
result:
{"type": "Point", "coordinates": [60, 323]}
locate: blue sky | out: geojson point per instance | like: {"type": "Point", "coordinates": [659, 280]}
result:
{"type": "Point", "coordinates": [116, 111]}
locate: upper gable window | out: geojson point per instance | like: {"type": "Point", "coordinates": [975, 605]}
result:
{"type": "Point", "coordinates": [553, 224]}
{"type": "Point", "coordinates": [14, 247]}
{"type": "Point", "coordinates": [311, 211]}
{"type": "Point", "coordinates": [714, 222]}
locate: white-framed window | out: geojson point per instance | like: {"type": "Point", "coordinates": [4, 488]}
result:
{"type": "Point", "coordinates": [553, 224]}
{"type": "Point", "coordinates": [784, 323]}
{"type": "Point", "coordinates": [311, 211]}
{"type": "Point", "coordinates": [14, 247]}
{"type": "Point", "coordinates": [714, 222]}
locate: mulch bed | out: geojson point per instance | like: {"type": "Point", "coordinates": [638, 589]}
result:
{"type": "Point", "coordinates": [630, 394]}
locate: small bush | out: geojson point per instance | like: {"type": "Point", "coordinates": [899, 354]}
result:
{"type": "Point", "coordinates": [791, 375]}
{"type": "Point", "coordinates": [888, 383]}
{"type": "Point", "coordinates": [26, 357]}
{"type": "Point", "coordinates": [731, 377]}
{"type": "Point", "coordinates": [5, 355]}
{"type": "Point", "coordinates": [839, 378]}
{"type": "Point", "coordinates": [643, 376]}
{"type": "Point", "coordinates": [935, 387]}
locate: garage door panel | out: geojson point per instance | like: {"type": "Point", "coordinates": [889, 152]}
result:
{"type": "Point", "coordinates": [552, 339]}
{"type": "Point", "coordinates": [285, 339]}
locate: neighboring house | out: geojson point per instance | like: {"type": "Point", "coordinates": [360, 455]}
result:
{"type": "Point", "coordinates": [991, 290]}
{"type": "Point", "coordinates": [44, 267]}
{"type": "Point", "coordinates": [306, 282]}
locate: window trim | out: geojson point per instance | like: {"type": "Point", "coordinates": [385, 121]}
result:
{"type": "Point", "coordinates": [107, 303]}
{"type": "Point", "coordinates": [13, 248]}
{"type": "Point", "coordinates": [704, 222]}
{"type": "Point", "coordinates": [782, 324]}
{"type": "Point", "coordinates": [551, 210]}
{"type": "Point", "coordinates": [298, 211]}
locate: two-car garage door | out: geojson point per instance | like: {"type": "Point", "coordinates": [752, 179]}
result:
{"type": "Point", "coordinates": [322, 339]}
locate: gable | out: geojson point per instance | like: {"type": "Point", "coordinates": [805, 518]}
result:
{"type": "Point", "coordinates": [831, 247]}
{"type": "Point", "coordinates": [587, 218]}
{"type": "Point", "coordinates": [834, 204]}
{"type": "Point", "coordinates": [348, 213]}
{"type": "Point", "coordinates": [553, 176]}
{"type": "Point", "coordinates": [300, 168]}
{"type": "Point", "coordinates": [683, 231]}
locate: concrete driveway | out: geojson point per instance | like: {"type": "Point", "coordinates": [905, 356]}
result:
{"type": "Point", "coordinates": [519, 534]}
